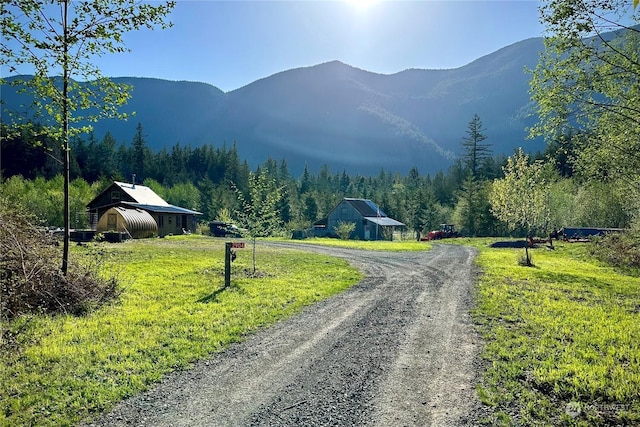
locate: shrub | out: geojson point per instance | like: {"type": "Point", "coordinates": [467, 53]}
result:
{"type": "Point", "coordinates": [344, 229]}
{"type": "Point", "coordinates": [203, 228]}
{"type": "Point", "coordinates": [619, 249]}
{"type": "Point", "coordinates": [31, 280]}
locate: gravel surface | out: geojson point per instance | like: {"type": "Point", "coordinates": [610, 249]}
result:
{"type": "Point", "coordinates": [397, 349]}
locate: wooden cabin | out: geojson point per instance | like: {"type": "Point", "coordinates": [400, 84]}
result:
{"type": "Point", "coordinates": [133, 199]}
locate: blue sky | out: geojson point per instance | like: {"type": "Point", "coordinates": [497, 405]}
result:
{"type": "Point", "coordinates": [230, 44]}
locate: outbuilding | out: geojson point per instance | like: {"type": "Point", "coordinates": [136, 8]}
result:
{"type": "Point", "coordinates": [169, 219]}
{"type": "Point", "coordinates": [371, 223]}
{"type": "Point", "coordinates": [135, 223]}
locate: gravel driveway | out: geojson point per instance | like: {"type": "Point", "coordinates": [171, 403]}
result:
{"type": "Point", "coordinates": [397, 349]}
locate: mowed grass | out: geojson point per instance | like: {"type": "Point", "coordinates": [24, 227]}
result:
{"type": "Point", "coordinates": [367, 245]}
{"type": "Point", "coordinates": [562, 338]}
{"type": "Point", "coordinates": [171, 313]}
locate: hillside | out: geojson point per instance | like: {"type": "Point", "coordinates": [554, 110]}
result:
{"type": "Point", "coordinates": [339, 115]}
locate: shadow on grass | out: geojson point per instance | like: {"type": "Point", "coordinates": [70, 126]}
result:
{"type": "Point", "coordinates": [213, 297]}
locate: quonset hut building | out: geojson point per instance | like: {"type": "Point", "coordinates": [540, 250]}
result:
{"type": "Point", "coordinates": [139, 212]}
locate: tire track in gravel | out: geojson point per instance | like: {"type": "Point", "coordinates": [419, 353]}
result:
{"type": "Point", "coordinates": [396, 349]}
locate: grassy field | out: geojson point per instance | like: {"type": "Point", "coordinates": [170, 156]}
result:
{"type": "Point", "coordinates": [562, 338]}
{"type": "Point", "coordinates": [172, 312]}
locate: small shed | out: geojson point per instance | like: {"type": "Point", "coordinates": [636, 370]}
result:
{"type": "Point", "coordinates": [137, 223]}
{"type": "Point", "coordinates": [371, 223]}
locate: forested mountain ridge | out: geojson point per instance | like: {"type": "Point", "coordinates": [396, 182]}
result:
{"type": "Point", "coordinates": [339, 115]}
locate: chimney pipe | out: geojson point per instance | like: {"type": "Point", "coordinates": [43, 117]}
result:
{"type": "Point", "coordinates": [134, 181]}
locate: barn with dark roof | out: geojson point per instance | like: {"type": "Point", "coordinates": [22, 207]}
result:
{"type": "Point", "coordinates": [136, 206]}
{"type": "Point", "coordinates": [371, 221]}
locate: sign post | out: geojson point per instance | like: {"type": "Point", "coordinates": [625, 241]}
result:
{"type": "Point", "coordinates": [229, 256]}
{"type": "Point", "coordinates": [227, 264]}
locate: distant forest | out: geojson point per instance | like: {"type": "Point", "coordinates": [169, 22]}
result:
{"type": "Point", "coordinates": [209, 179]}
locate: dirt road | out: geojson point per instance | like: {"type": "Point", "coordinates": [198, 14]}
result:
{"type": "Point", "coordinates": [397, 349]}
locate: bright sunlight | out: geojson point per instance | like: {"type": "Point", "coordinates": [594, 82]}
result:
{"type": "Point", "coordinates": [362, 4]}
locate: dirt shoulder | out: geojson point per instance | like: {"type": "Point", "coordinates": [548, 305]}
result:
{"type": "Point", "coordinates": [398, 348]}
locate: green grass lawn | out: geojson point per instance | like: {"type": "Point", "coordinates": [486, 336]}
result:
{"type": "Point", "coordinates": [171, 313]}
{"type": "Point", "coordinates": [562, 338]}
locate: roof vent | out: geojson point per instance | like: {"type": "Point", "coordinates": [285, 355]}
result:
{"type": "Point", "coordinates": [134, 181]}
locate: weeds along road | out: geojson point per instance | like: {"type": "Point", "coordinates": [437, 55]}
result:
{"type": "Point", "coordinates": [397, 349]}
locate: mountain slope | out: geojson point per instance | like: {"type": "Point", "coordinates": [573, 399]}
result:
{"type": "Point", "coordinates": [339, 115]}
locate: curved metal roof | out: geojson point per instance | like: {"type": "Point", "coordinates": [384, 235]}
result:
{"type": "Point", "coordinates": [136, 222]}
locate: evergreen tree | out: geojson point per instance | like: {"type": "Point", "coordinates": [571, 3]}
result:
{"type": "Point", "coordinates": [124, 161]}
{"type": "Point", "coordinates": [305, 181]}
{"type": "Point", "coordinates": [139, 153]}
{"type": "Point", "coordinates": [475, 155]}
{"type": "Point", "coordinates": [107, 152]}
{"type": "Point", "coordinates": [284, 174]}
{"type": "Point", "coordinates": [92, 166]}
{"type": "Point", "coordinates": [474, 151]}
{"type": "Point", "coordinates": [310, 213]}
{"type": "Point", "coordinates": [284, 206]}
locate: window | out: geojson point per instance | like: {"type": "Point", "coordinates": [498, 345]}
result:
{"type": "Point", "coordinates": [115, 195]}
{"type": "Point", "coordinates": [160, 220]}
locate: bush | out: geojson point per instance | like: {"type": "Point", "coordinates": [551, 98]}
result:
{"type": "Point", "coordinates": [31, 280]}
{"type": "Point", "coordinates": [202, 228]}
{"type": "Point", "coordinates": [619, 249]}
{"type": "Point", "coordinates": [344, 229]}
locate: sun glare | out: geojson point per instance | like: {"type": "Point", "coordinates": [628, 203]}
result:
{"type": "Point", "coordinates": [362, 4]}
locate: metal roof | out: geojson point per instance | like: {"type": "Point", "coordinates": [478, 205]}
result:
{"type": "Point", "coordinates": [163, 208]}
{"type": "Point", "coordinates": [135, 222]}
{"type": "Point", "coordinates": [384, 221]}
{"type": "Point", "coordinates": [141, 194]}
{"type": "Point", "coordinates": [365, 207]}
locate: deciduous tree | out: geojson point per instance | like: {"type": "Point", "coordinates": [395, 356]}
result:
{"type": "Point", "coordinates": [60, 38]}
{"type": "Point", "coordinates": [520, 199]}
{"type": "Point", "coordinates": [259, 214]}
{"type": "Point", "coordinates": [587, 85]}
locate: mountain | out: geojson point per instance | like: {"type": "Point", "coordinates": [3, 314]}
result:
{"type": "Point", "coordinates": [339, 115]}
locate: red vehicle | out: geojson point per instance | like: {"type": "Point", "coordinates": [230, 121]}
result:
{"type": "Point", "coordinates": [446, 231]}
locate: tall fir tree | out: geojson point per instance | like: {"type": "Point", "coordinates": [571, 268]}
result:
{"type": "Point", "coordinates": [475, 152]}
{"type": "Point", "coordinates": [139, 158]}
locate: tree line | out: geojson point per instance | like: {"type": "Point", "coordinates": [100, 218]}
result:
{"type": "Point", "coordinates": [217, 182]}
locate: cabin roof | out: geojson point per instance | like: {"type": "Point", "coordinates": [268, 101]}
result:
{"type": "Point", "coordinates": [365, 207]}
{"type": "Point", "coordinates": [169, 209]}
{"type": "Point", "coordinates": [142, 194]}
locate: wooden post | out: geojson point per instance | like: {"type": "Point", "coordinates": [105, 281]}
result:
{"type": "Point", "coordinates": [227, 264]}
